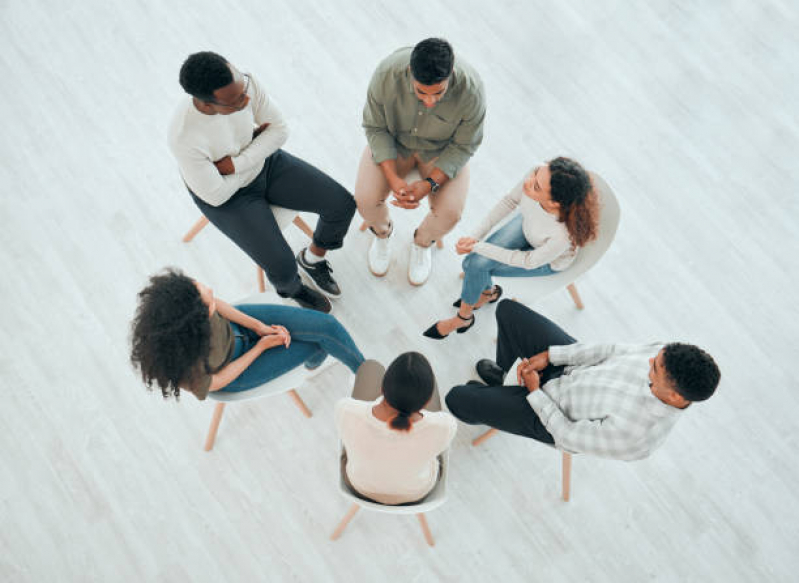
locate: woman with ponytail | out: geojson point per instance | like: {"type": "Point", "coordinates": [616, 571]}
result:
{"type": "Point", "coordinates": [393, 430]}
{"type": "Point", "coordinates": [558, 214]}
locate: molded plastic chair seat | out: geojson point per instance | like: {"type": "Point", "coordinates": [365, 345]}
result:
{"type": "Point", "coordinates": [433, 500]}
{"type": "Point", "coordinates": [286, 383]}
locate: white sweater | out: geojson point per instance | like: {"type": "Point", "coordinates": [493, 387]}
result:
{"type": "Point", "coordinates": [387, 465]}
{"type": "Point", "coordinates": [548, 236]}
{"type": "Point", "coordinates": [198, 140]}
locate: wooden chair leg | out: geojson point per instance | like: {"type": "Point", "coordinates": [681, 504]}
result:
{"type": "Point", "coordinates": [567, 476]}
{"type": "Point", "coordinates": [428, 536]}
{"type": "Point", "coordinates": [198, 226]}
{"type": "Point", "coordinates": [575, 296]}
{"type": "Point", "coordinates": [215, 420]}
{"type": "Point", "coordinates": [303, 226]}
{"type": "Point", "coordinates": [300, 403]}
{"type": "Point", "coordinates": [362, 227]}
{"type": "Point", "coordinates": [261, 279]}
{"type": "Point", "coordinates": [344, 522]}
{"type": "Point", "coordinates": [440, 243]}
{"type": "Point", "coordinates": [462, 275]}
{"type": "Point", "coordinates": [480, 439]}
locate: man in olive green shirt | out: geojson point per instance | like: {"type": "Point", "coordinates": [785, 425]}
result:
{"type": "Point", "coordinates": [423, 110]}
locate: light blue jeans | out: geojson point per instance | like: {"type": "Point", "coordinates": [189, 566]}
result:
{"type": "Point", "coordinates": [479, 270]}
{"type": "Point", "coordinates": [314, 335]}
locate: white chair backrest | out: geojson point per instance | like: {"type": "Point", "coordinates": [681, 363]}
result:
{"type": "Point", "coordinates": [286, 382]}
{"type": "Point", "coordinates": [535, 288]}
{"type": "Point", "coordinates": [433, 500]}
{"type": "Point", "coordinates": [283, 216]}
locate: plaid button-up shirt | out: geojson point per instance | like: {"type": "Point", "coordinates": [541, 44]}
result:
{"type": "Point", "coordinates": [602, 404]}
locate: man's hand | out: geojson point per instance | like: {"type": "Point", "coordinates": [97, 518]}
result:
{"type": "Point", "coordinates": [225, 166]}
{"type": "Point", "coordinates": [465, 245]}
{"type": "Point", "coordinates": [409, 197]}
{"type": "Point", "coordinates": [527, 376]}
{"type": "Point", "coordinates": [257, 131]}
{"type": "Point", "coordinates": [539, 361]}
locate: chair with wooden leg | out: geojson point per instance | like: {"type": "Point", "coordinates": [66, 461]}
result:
{"type": "Point", "coordinates": [412, 176]}
{"type": "Point", "coordinates": [287, 383]}
{"type": "Point", "coordinates": [535, 288]}
{"type": "Point", "coordinates": [284, 218]}
{"type": "Point", "coordinates": [433, 500]}
{"type": "Point", "coordinates": [566, 462]}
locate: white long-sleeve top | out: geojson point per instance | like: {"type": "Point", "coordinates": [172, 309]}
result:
{"type": "Point", "coordinates": [198, 140]}
{"type": "Point", "coordinates": [545, 233]}
{"type": "Point", "coordinates": [602, 404]}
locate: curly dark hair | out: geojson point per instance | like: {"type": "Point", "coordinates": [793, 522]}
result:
{"type": "Point", "coordinates": [571, 188]}
{"type": "Point", "coordinates": [408, 384]}
{"type": "Point", "coordinates": [692, 370]}
{"type": "Point", "coordinates": [203, 73]}
{"type": "Point", "coordinates": [432, 61]}
{"type": "Point", "coordinates": [170, 332]}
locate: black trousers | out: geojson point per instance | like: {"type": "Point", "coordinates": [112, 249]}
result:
{"type": "Point", "coordinates": [286, 181]}
{"type": "Point", "coordinates": [522, 334]}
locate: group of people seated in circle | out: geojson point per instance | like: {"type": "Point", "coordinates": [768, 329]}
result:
{"type": "Point", "coordinates": [424, 110]}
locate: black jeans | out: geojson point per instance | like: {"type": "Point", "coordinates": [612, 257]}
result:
{"type": "Point", "coordinates": [294, 184]}
{"type": "Point", "coordinates": [522, 333]}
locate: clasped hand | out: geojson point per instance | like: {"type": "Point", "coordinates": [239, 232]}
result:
{"type": "Point", "coordinates": [529, 369]}
{"type": "Point", "coordinates": [407, 196]}
{"type": "Point", "coordinates": [272, 335]}
{"type": "Point", "coordinates": [465, 245]}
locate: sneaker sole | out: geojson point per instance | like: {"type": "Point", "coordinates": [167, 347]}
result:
{"type": "Point", "coordinates": [373, 272]}
{"type": "Point", "coordinates": [311, 282]}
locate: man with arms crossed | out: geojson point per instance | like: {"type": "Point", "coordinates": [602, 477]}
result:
{"type": "Point", "coordinates": [226, 136]}
{"type": "Point", "coordinates": [424, 109]}
{"type": "Point", "coordinates": [614, 401]}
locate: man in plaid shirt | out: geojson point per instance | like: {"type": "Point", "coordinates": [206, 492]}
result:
{"type": "Point", "coordinates": [615, 401]}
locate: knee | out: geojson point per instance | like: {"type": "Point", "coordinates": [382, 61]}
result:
{"type": "Point", "coordinates": [449, 217]}
{"type": "Point", "coordinates": [455, 400]}
{"type": "Point", "coordinates": [506, 309]}
{"type": "Point", "coordinates": [476, 262]}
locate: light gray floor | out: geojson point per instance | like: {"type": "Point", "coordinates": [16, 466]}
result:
{"type": "Point", "coordinates": [688, 109]}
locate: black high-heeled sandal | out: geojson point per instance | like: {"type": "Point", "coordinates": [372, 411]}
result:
{"type": "Point", "coordinates": [432, 331]}
{"type": "Point", "coordinates": [497, 290]}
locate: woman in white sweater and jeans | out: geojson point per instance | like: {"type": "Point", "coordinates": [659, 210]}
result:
{"type": "Point", "coordinates": [558, 214]}
{"type": "Point", "coordinates": [392, 440]}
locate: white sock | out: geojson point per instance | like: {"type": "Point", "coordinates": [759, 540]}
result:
{"type": "Point", "coordinates": [311, 257]}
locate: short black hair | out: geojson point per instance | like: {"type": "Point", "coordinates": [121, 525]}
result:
{"type": "Point", "coordinates": [432, 61]}
{"type": "Point", "coordinates": [693, 371]}
{"type": "Point", "coordinates": [203, 73]}
{"type": "Point", "coordinates": [408, 384]}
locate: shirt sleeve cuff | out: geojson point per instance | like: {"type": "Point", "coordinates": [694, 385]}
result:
{"type": "Point", "coordinates": [558, 354]}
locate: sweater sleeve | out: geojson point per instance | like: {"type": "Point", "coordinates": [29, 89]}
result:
{"type": "Point", "coordinates": [506, 205]}
{"type": "Point", "coordinates": [380, 140]}
{"type": "Point", "coordinates": [272, 138]}
{"type": "Point", "coordinates": [542, 255]}
{"type": "Point", "coordinates": [202, 177]}
{"type": "Point", "coordinates": [608, 437]}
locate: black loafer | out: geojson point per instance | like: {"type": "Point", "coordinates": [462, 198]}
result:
{"type": "Point", "coordinates": [491, 373]}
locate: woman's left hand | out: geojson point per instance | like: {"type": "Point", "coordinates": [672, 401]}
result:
{"type": "Point", "coordinates": [465, 245]}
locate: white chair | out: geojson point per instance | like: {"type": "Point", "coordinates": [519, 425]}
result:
{"type": "Point", "coordinates": [287, 383]}
{"type": "Point", "coordinates": [284, 218]}
{"type": "Point", "coordinates": [412, 176]}
{"type": "Point", "coordinates": [432, 501]}
{"type": "Point", "coordinates": [535, 288]}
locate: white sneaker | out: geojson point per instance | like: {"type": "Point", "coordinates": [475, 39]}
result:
{"type": "Point", "coordinates": [379, 256]}
{"type": "Point", "coordinates": [420, 264]}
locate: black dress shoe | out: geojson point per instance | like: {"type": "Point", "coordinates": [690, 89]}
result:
{"type": "Point", "coordinates": [319, 275]}
{"type": "Point", "coordinates": [491, 373]}
{"type": "Point", "coordinates": [497, 290]}
{"type": "Point", "coordinates": [312, 299]}
{"type": "Point", "coordinates": [432, 331]}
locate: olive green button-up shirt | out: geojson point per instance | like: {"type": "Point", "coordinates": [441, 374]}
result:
{"type": "Point", "coordinates": [397, 122]}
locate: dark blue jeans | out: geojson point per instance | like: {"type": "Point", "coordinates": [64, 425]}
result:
{"type": "Point", "coordinates": [247, 220]}
{"type": "Point", "coordinates": [314, 335]}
